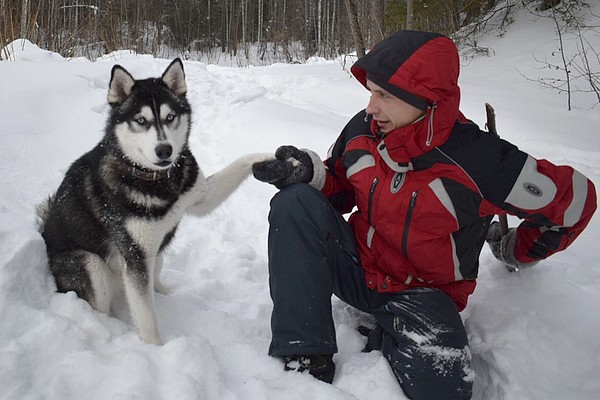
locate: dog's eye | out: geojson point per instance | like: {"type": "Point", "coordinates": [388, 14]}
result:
{"type": "Point", "coordinates": [170, 117]}
{"type": "Point", "coordinates": [141, 120]}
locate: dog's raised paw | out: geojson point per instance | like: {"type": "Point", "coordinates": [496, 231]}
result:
{"type": "Point", "coordinates": [259, 157]}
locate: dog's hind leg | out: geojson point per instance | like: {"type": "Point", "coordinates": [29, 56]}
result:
{"type": "Point", "coordinates": [102, 281]}
{"type": "Point", "coordinates": [87, 275]}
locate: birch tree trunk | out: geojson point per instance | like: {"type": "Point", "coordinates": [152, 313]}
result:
{"type": "Point", "coordinates": [320, 26]}
{"type": "Point", "coordinates": [378, 21]}
{"type": "Point", "coordinates": [410, 15]}
{"type": "Point", "coordinates": [355, 27]}
{"type": "Point", "coordinates": [2, 17]}
{"type": "Point", "coordinates": [24, 18]}
{"type": "Point", "coordinates": [260, 22]}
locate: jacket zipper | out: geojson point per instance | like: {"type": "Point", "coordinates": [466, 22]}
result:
{"type": "Point", "coordinates": [371, 196]}
{"type": "Point", "coordinates": [409, 213]}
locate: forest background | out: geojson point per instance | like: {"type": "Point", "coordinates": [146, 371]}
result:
{"type": "Point", "coordinates": [252, 32]}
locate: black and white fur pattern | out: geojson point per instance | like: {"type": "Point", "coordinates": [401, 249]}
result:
{"type": "Point", "coordinates": [119, 205]}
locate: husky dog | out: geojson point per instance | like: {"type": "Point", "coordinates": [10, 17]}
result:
{"type": "Point", "coordinates": [119, 205]}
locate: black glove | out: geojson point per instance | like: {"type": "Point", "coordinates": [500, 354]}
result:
{"type": "Point", "coordinates": [503, 247]}
{"type": "Point", "coordinates": [291, 166]}
{"type": "Point", "coordinates": [374, 337]}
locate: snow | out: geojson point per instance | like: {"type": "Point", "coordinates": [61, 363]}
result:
{"type": "Point", "coordinates": [533, 334]}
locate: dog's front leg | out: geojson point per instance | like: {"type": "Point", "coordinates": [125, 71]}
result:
{"type": "Point", "coordinates": [212, 191]}
{"type": "Point", "coordinates": [138, 282]}
{"type": "Point", "coordinates": [159, 287]}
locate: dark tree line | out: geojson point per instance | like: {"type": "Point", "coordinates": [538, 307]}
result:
{"type": "Point", "coordinates": [278, 30]}
{"type": "Point", "coordinates": [317, 27]}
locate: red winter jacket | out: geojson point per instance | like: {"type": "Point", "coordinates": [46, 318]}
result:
{"type": "Point", "coordinates": [425, 193]}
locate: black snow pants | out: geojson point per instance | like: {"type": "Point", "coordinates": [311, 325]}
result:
{"type": "Point", "coordinates": [312, 255]}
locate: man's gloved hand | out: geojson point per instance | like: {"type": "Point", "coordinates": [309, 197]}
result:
{"type": "Point", "coordinates": [503, 247]}
{"type": "Point", "coordinates": [291, 166]}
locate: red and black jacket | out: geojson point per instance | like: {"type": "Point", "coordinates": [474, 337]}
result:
{"type": "Point", "coordinates": [423, 195]}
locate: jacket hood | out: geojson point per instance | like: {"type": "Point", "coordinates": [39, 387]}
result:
{"type": "Point", "coordinates": [423, 65]}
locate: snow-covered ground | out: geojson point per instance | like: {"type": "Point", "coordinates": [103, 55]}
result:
{"type": "Point", "coordinates": [533, 334]}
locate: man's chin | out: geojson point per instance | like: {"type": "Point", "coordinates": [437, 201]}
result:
{"type": "Point", "coordinates": [383, 127]}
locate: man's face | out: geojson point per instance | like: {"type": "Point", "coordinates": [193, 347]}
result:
{"type": "Point", "coordinates": [389, 111]}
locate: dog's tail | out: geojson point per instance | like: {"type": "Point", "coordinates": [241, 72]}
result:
{"type": "Point", "coordinates": [43, 211]}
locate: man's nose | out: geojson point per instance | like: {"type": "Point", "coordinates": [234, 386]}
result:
{"type": "Point", "coordinates": [372, 106]}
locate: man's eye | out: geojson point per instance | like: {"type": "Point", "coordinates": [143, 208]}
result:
{"type": "Point", "coordinates": [379, 95]}
{"type": "Point", "coordinates": [141, 120]}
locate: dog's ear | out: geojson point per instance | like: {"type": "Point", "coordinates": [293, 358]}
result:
{"type": "Point", "coordinates": [121, 83]}
{"type": "Point", "coordinates": [174, 78]}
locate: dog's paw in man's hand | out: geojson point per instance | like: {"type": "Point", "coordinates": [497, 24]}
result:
{"type": "Point", "coordinates": [291, 165]}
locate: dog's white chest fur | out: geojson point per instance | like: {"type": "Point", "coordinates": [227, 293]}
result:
{"type": "Point", "coordinates": [149, 234]}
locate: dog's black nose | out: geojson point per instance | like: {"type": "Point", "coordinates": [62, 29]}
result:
{"type": "Point", "coordinates": [164, 151]}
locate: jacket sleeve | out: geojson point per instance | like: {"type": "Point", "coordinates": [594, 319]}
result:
{"type": "Point", "coordinates": [555, 202]}
{"type": "Point", "coordinates": [337, 188]}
